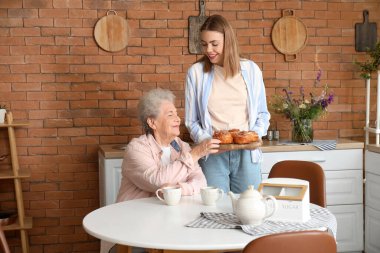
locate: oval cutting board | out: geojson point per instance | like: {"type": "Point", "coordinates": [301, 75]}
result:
{"type": "Point", "coordinates": [289, 35]}
{"type": "Point", "coordinates": [111, 32]}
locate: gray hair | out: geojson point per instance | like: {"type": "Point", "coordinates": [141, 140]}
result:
{"type": "Point", "coordinates": [149, 105]}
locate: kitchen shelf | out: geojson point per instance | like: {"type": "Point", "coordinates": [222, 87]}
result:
{"type": "Point", "coordinates": [8, 174]}
{"type": "Point", "coordinates": [28, 224]}
{"type": "Point", "coordinates": [16, 174]}
{"type": "Point", "coordinates": [375, 130]}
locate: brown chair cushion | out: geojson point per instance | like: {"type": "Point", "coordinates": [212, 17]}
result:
{"type": "Point", "coordinates": [293, 242]}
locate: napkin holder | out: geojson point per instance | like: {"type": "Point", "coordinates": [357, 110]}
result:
{"type": "Point", "coordinates": [293, 198]}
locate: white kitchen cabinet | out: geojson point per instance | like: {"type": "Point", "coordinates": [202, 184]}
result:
{"type": "Point", "coordinates": [109, 179]}
{"type": "Point", "coordinates": [344, 182]}
{"type": "Point", "coordinates": [344, 188]}
{"type": "Point", "coordinates": [372, 197]}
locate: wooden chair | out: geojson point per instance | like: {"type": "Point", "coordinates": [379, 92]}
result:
{"type": "Point", "coordinates": [293, 242]}
{"type": "Point", "coordinates": [304, 170]}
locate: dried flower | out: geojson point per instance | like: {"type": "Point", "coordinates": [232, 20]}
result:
{"type": "Point", "coordinates": [300, 107]}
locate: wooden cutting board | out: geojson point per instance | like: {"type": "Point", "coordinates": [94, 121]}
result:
{"type": "Point", "coordinates": [111, 32]}
{"type": "Point", "coordinates": [365, 34]}
{"type": "Point", "coordinates": [249, 146]}
{"type": "Point", "coordinates": [289, 35]}
{"type": "Point", "coordinates": [195, 24]}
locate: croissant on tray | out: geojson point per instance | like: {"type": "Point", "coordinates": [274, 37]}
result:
{"type": "Point", "coordinates": [235, 136]}
{"type": "Point", "coordinates": [224, 136]}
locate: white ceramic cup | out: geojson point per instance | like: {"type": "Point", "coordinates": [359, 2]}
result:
{"type": "Point", "coordinates": [172, 195]}
{"type": "Point", "coordinates": [210, 195]}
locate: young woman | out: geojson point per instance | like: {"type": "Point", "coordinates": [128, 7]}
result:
{"type": "Point", "coordinates": [224, 91]}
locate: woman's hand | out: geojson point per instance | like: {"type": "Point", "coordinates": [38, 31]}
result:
{"type": "Point", "coordinates": [209, 146]}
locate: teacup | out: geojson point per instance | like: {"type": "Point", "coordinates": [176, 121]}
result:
{"type": "Point", "coordinates": [210, 195]}
{"type": "Point", "coordinates": [171, 195]}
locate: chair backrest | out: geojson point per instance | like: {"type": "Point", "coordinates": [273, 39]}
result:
{"type": "Point", "coordinates": [304, 170]}
{"type": "Point", "coordinates": [293, 242]}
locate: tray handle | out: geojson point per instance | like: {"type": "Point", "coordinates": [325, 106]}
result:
{"type": "Point", "coordinates": [114, 12]}
{"type": "Point", "coordinates": [288, 12]}
{"type": "Point", "coordinates": [290, 57]}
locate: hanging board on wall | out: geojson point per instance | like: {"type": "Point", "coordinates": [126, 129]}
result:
{"type": "Point", "coordinates": [111, 32]}
{"type": "Point", "coordinates": [365, 34]}
{"type": "Point", "coordinates": [195, 23]}
{"type": "Point", "coordinates": [289, 35]}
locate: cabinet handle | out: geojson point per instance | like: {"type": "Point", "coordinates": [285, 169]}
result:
{"type": "Point", "coordinates": [317, 160]}
{"type": "Point", "coordinates": [311, 160]}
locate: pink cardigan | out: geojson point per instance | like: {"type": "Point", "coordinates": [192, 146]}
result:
{"type": "Point", "coordinates": [143, 172]}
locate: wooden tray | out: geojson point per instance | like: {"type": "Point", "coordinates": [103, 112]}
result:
{"type": "Point", "coordinates": [250, 146]}
{"type": "Point", "coordinates": [289, 35]}
{"type": "Point", "coordinates": [111, 32]}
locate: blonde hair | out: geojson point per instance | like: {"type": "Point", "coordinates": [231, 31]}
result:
{"type": "Point", "coordinates": [231, 61]}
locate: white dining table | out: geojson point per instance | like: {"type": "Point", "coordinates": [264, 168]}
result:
{"type": "Point", "coordinates": [149, 223]}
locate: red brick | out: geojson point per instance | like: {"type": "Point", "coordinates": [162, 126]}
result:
{"type": "Point", "coordinates": [84, 69]}
{"type": "Point", "coordinates": [39, 41]}
{"type": "Point", "coordinates": [39, 59]}
{"type": "Point", "coordinates": [54, 68]}
{"type": "Point", "coordinates": [69, 78]}
{"type": "Point", "coordinates": [23, 13]}
{"type": "Point", "coordinates": [78, 13]}
{"type": "Point", "coordinates": [100, 59]}
{"type": "Point", "coordinates": [87, 122]}
{"type": "Point", "coordinates": [41, 22]}
{"type": "Point", "coordinates": [54, 13]}
{"type": "Point", "coordinates": [11, 60]}
{"type": "Point", "coordinates": [35, 31]}
{"type": "Point", "coordinates": [70, 59]}
{"type": "Point", "coordinates": [82, 31]}
{"type": "Point", "coordinates": [69, 41]}
{"type": "Point", "coordinates": [37, 4]}
{"type": "Point", "coordinates": [53, 31]}
{"type": "Point", "coordinates": [67, 22]}
{"type": "Point", "coordinates": [24, 50]}
{"type": "Point", "coordinates": [11, 4]}
{"type": "Point", "coordinates": [58, 123]}
{"type": "Point", "coordinates": [84, 104]}
{"type": "Point", "coordinates": [67, 4]}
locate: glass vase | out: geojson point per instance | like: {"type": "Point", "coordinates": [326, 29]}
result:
{"type": "Point", "coordinates": [302, 130]}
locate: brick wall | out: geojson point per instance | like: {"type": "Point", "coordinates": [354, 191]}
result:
{"type": "Point", "coordinates": [77, 96]}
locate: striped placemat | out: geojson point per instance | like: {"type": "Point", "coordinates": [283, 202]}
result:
{"type": "Point", "coordinates": [320, 144]}
{"type": "Point", "coordinates": [321, 218]}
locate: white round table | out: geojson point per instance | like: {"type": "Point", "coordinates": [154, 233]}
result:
{"type": "Point", "coordinates": [149, 223]}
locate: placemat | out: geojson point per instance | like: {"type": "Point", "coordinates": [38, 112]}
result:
{"type": "Point", "coordinates": [320, 218]}
{"type": "Point", "coordinates": [320, 144]}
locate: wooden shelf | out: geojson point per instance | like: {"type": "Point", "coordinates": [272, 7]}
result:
{"type": "Point", "coordinates": [15, 124]}
{"type": "Point", "coordinates": [8, 174]}
{"type": "Point", "coordinates": [16, 174]}
{"type": "Point", "coordinates": [28, 224]}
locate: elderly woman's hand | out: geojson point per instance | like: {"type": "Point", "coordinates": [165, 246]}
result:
{"type": "Point", "coordinates": [209, 146]}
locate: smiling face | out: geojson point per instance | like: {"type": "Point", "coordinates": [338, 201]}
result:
{"type": "Point", "coordinates": [212, 46]}
{"type": "Point", "coordinates": [166, 125]}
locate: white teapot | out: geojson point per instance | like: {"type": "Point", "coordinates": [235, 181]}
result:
{"type": "Point", "coordinates": [252, 207]}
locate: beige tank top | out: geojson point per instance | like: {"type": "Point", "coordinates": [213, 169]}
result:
{"type": "Point", "coordinates": [227, 103]}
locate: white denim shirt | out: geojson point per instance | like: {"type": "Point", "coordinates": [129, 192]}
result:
{"type": "Point", "coordinates": [198, 88]}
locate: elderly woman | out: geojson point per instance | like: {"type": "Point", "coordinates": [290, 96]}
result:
{"type": "Point", "coordinates": [159, 157]}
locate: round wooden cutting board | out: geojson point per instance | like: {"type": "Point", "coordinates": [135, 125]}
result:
{"type": "Point", "coordinates": [289, 35]}
{"type": "Point", "coordinates": [111, 32]}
